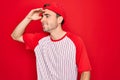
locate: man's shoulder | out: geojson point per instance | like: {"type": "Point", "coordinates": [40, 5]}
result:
{"type": "Point", "coordinates": [73, 36]}
{"type": "Point", "coordinates": [77, 40]}
{"type": "Point", "coordinates": [34, 37]}
{"type": "Point", "coordinates": [31, 39]}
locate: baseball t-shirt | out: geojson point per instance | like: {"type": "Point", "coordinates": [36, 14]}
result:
{"type": "Point", "coordinates": [60, 59]}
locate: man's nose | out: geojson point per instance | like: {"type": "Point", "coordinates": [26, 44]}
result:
{"type": "Point", "coordinates": [43, 19]}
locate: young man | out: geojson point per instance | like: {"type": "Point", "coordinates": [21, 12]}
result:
{"type": "Point", "coordinates": [59, 55]}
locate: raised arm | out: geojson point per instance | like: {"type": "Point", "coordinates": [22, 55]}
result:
{"type": "Point", "coordinates": [17, 33]}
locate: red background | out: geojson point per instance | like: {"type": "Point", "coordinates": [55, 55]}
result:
{"type": "Point", "coordinates": [96, 21]}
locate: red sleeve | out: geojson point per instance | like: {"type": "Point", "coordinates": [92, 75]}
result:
{"type": "Point", "coordinates": [31, 40]}
{"type": "Point", "coordinates": [82, 60]}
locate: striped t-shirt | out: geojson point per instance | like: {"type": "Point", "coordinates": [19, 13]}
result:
{"type": "Point", "coordinates": [58, 59]}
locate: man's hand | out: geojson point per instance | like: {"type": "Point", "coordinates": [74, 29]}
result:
{"type": "Point", "coordinates": [35, 14]}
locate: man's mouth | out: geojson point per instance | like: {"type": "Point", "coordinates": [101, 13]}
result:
{"type": "Point", "coordinates": [44, 24]}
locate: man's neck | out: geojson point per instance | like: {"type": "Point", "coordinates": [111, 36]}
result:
{"type": "Point", "coordinates": [57, 34]}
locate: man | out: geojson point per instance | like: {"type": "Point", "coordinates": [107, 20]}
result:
{"type": "Point", "coordinates": [59, 55]}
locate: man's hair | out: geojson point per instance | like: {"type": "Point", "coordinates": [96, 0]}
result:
{"type": "Point", "coordinates": [57, 15]}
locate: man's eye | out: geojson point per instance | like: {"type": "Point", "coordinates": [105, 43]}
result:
{"type": "Point", "coordinates": [47, 16]}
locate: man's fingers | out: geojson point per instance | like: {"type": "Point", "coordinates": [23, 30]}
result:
{"type": "Point", "coordinates": [39, 17]}
{"type": "Point", "coordinates": [38, 10]}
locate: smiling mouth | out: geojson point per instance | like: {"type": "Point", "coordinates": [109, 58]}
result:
{"type": "Point", "coordinates": [44, 24]}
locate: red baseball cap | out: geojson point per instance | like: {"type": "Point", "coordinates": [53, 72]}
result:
{"type": "Point", "coordinates": [55, 7]}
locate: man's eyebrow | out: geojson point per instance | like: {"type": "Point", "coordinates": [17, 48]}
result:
{"type": "Point", "coordinates": [46, 14]}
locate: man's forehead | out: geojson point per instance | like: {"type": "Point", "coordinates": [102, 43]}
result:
{"type": "Point", "coordinates": [47, 11]}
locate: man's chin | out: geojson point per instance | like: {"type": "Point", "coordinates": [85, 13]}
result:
{"type": "Point", "coordinates": [45, 30]}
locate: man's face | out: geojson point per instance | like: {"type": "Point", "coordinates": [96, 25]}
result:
{"type": "Point", "coordinates": [49, 21]}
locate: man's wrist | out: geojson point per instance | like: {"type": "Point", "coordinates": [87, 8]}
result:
{"type": "Point", "coordinates": [28, 19]}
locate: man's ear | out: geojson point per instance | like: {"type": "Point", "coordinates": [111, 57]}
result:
{"type": "Point", "coordinates": [60, 19]}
